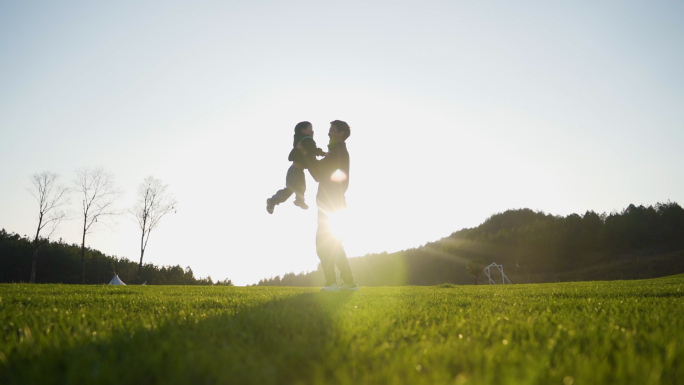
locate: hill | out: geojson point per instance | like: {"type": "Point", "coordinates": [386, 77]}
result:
{"type": "Point", "coordinates": [638, 242]}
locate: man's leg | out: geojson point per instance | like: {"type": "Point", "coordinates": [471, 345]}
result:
{"type": "Point", "coordinates": [342, 264]}
{"type": "Point", "coordinates": [324, 246]}
{"type": "Point", "coordinates": [331, 252]}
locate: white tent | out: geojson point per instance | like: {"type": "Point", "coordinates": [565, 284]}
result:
{"type": "Point", "coordinates": [116, 281]}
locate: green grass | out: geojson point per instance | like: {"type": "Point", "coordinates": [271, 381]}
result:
{"type": "Point", "coordinates": [620, 332]}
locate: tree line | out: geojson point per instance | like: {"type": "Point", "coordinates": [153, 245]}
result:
{"type": "Point", "coordinates": [638, 242]}
{"type": "Point", "coordinates": [60, 262]}
{"type": "Point", "coordinates": [98, 195]}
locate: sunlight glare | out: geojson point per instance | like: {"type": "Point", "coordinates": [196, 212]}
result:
{"type": "Point", "coordinates": [338, 176]}
{"type": "Point", "coordinates": [339, 224]}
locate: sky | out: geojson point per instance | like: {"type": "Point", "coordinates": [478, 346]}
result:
{"type": "Point", "coordinates": [458, 110]}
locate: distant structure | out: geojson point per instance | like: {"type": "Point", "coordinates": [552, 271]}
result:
{"type": "Point", "coordinates": [116, 280]}
{"type": "Point", "coordinates": [489, 275]}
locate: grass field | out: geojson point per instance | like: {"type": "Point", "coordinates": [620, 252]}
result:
{"type": "Point", "coordinates": [620, 332]}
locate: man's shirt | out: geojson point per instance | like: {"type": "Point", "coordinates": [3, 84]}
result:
{"type": "Point", "coordinates": [332, 174]}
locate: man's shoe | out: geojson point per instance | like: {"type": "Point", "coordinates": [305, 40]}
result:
{"type": "Point", "coordinates": [301, 204]}
{"type": "Point", "coordinates": [350, 286]}
{"type": "Point", "coordinates": [269, 206]}
{"type": "Point", "coordinates": [332, 287]}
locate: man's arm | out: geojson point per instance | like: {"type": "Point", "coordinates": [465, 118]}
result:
{"type": "Point", "coordinates": [310, 146]}
{"type": "Point", "coordinates": [320, 169]}
{"type": "Point", "coordinates": [317, 168]}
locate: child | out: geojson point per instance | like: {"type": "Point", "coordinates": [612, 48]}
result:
{"type": "Point", "coordinates": [295, 181]}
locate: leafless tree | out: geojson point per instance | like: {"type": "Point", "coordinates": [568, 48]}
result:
{"type": "Point", "coordinates": [153, 203]}
{"type": "Point", "coordinates": [98, 194]}
{"type": "Point", "coordinates": [51, 198]}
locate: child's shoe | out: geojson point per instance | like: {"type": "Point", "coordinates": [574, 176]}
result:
{"type": "Point", "coordinates": [269, 206]}
{"type": "Point", "coordinates": [301, 203]}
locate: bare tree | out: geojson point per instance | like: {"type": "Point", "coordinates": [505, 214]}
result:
{"type": "Point", "coordinates": [153, 203]}
{"type": "Point", "coordinates": [98, 194]}
{"type": "Point", "coordinates": [51, 197]}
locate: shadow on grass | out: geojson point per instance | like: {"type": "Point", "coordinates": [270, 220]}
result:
{"type": "Point", "coordinates": [289, 340]}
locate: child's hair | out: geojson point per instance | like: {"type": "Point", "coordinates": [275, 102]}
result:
{"type": "Point", "coordinates": [300, 126]}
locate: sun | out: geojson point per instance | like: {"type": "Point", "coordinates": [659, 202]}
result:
{"type": "Point", "coordinates": [340, 224]}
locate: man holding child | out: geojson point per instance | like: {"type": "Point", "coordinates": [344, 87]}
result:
{"type": "Point", "coordinates": [332, 174]}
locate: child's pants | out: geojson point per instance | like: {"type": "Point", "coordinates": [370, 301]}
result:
{"type": "Point", "coordinates": [295, 183]}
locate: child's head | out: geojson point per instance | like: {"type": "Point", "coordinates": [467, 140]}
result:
{"type": "Point", "coordinates": [302, 126]}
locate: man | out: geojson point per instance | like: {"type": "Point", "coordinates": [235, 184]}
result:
{"type": "Point", "coordinates": [332, 174]}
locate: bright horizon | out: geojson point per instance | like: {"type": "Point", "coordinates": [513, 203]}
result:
{"type": "Point", "coordinates": [457, 111]}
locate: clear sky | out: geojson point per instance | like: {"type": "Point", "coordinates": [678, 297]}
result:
{"type": "Point", "coordinates": [458, 110]}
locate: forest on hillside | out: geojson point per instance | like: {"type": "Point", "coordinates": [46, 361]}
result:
{"type": "Point", "coordinates": [638, 242]}
{"type": "Point", "coordinates": [59, 262]}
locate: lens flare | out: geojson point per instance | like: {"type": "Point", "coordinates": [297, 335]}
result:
{"type": "Point", "coordinates": [339, 224]}
{"type": "Point", "coordinates": [338, 176]}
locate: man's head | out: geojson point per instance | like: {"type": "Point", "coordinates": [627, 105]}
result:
{"type": "Point", "coordinates": [303, 126]}
{"type": "Point", "coordinates": [339, 131]}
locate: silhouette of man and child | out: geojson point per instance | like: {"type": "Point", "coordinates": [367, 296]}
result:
{"type": "Point", "coordinates": [332, 174]}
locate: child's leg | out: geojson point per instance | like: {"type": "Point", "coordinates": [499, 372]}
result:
{"type": "Point", "coordinates": [281, 196]}
{"type": "Point", "coordinates": [296, 181]}
{"type": "Point", "coordinates": [298, 185]}
{"type": "Point", "coordinates": [284, 194]}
